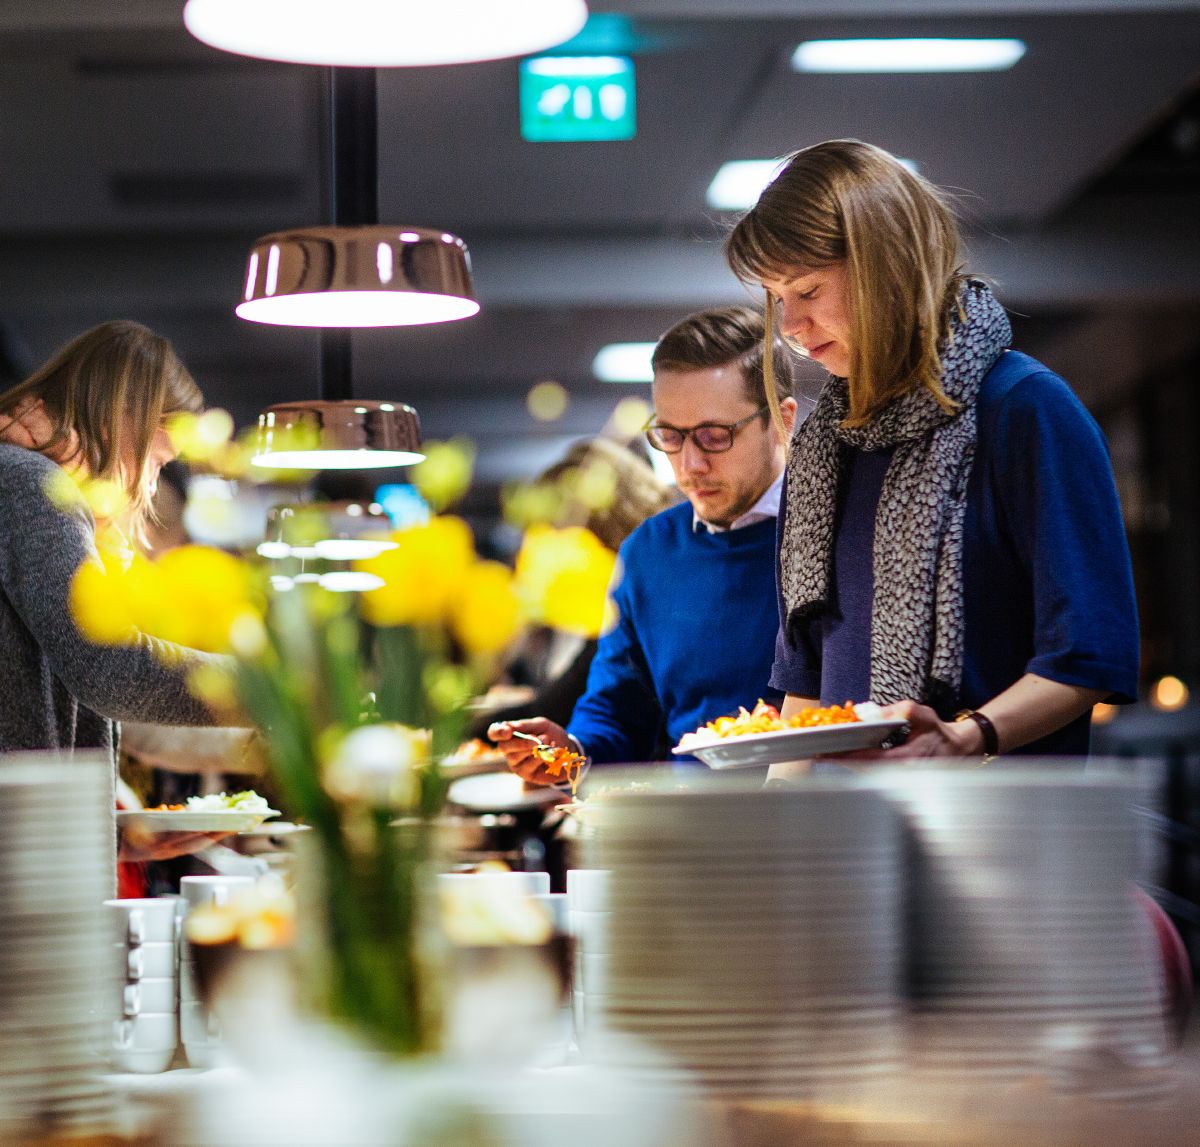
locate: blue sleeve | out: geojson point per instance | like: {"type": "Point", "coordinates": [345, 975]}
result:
{"type": "Point", "coordinates": [1060, 507]}
{"type": "Point", "coordinates": [618, 718]}
{"type": "Point", "coordinates": [797, 667]}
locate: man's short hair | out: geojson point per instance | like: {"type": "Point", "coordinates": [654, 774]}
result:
{"type": "Point", "coordinates": [723, 336]}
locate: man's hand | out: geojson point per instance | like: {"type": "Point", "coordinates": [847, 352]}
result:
{"type": "Point", "coordinates": [520, 753]}
{"type": "Point", "coordinates": [136, 846]}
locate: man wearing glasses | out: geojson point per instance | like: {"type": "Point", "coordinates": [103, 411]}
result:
{"type": "Point", "coordinates": [696, 601]}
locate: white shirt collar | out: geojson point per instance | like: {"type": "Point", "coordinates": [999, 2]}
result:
{"type": "Point", "coordinates": [766, 507]}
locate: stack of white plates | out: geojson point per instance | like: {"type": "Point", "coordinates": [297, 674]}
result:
{"type": "Point", "coordinates": [1029, 951]}
{"type": "Point", "coordinates": [755, 937]}
{"type": "Point", "coordinates": [57, 968]}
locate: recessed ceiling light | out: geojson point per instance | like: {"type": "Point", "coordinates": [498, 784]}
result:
{"type": "Point", "coordinates": [738, 184]}
{"type": "Point", "coordinates": [383, 33]}
{"type": "Point", "coordinates": [907, 55]}
{"type": "Point", "coordinates": [624, 362]}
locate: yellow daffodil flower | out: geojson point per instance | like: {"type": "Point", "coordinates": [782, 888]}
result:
{"type": "Point", "coordinates": [423, 576]}
{"type": "Point", "coordinates": [487, 615]}
{"type": "Point", "coordinates": [563, 578]}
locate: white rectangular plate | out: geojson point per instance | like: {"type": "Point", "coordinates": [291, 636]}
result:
{"type": "Point", "coordinates": [755, 749]}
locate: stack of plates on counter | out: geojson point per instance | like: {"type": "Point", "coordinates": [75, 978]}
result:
{"type": "Point", "coordinates": [754, 936]}
{"type": "Point", "coordinates": [57, 970]}
{"type": "Point", "coordinates": [1030, 954]}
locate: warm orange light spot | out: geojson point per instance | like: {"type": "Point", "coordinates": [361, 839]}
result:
{"type": "Point", "coordinates": [1169, 694]}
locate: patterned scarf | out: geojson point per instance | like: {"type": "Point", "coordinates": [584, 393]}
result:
{"type": "Point", "coordinates": [917, 611]}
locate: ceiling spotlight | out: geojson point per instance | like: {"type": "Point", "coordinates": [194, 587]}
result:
{"type": "Point", "coordinates": [383, 33]}
{"type": "Point", "coordinates": [907, 55]}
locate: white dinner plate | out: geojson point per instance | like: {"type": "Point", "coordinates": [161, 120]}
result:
{"type": "Point", "coordinates": [756, 749]}
{"type": "Point", "coordinates": [183, 820]}
{"type": "Point", "coordinates": [277, 828]}
{"type": "Point", "coordinates": [500, 792]}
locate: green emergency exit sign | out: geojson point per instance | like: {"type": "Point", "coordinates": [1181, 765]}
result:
{"type": "Point", "coordinates": [572, 98]}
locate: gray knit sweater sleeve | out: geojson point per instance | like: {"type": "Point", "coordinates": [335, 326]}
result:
{"type": "Point", "coordinates": [41, 547]}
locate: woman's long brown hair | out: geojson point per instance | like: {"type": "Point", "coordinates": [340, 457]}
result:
{"type": "Point", "coordinates": [848, 201]}
{"type": "Point", "coordinates": [108, 390]}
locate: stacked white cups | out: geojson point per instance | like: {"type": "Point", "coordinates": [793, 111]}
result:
{"type": "Point", "coordinates": [588, 916]}
{"type": "Point", "coordinates": [198, 1027]}
{"type": "Point", "coordinates": [146, 1033]}
{"type": "Point", "coordinates": [57, 969]}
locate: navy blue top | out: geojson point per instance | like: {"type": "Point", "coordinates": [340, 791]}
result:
{"type": "Point", "coordinates": [697, 624]}
{"type": "Point", "coordinates": [1047, 581]}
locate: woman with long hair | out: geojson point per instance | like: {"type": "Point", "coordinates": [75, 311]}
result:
{"type": "Point", "coordinates": [950, 539]}
{"type": "Point", "coordinates": [97, 410]}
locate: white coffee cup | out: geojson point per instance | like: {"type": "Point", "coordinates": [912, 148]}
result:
{"type": "Point", "coordinates": [592, 972]}
{"type": "Point", "coordinates": [591, 930]}
{"type": "Point", "coordinates": [150, 1031]}
{"type": "Point", "coordinates": [142, 921]}
{"type": "Point", "coordinates": [151, 961]}
{"type": "Point", "coordinates": [197, 1025]}
{"type": "Point", "coordinates": [555, 904]}
{"type": "Point", "coordinates": [149, 995]}
{"type": "Point", "coordinates": [587, 889]}
{"type": "Point", "coordinates": [189, 990]}
{"type": "Point", "coordinates": [142, 1062]}
{"type": "Point", "coordinates": [218, 890]}
{"type": "Point", "coordinates": [144, 1043]}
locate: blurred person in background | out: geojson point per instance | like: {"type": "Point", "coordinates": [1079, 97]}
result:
{"type": "Point", "coordinates": [96, 410]}
{"type": "Point", "coordinates": [695, 599]}
{"type": "Point", "coordinates": [556, 663]}
{"type": "Point", "coordinates": [950, 540]}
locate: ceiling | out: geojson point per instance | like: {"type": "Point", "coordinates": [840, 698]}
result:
{"type": "Point", "coordinates": [139, 164]}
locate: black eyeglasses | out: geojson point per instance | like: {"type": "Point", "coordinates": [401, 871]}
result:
{"type": "Point", "coordinates": [711, 437]}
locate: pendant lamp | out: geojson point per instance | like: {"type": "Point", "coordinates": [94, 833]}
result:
{"type": "Point", "coordinates": [383, 33]}
{"type": "Point", "coordinates": [340, 531]}
{"type": "Point", "coordinates": [346, 434]}
{"type": "Point", "coordinates": [365, 276]}
{"type": "Point", "coordinates": [350, 273]}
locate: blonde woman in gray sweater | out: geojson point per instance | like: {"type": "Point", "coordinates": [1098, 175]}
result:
{"type": "Point", "coordinates": [96, 409]}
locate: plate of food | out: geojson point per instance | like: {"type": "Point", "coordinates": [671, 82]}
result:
{"type": "Point", "coordinates": [217, 812]}
{"type": "Point", "coordinates": [760, 736]}
{"type": "Point", "coordinates": [475, 756]}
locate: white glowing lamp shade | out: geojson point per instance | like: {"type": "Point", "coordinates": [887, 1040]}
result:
{"type": "Point", "coordinates": [366, 276]}
{"type": "Point", "coordinates": [383, 33]}
{"type": "Point", "coordinates": [356, 309]}
{"type": "Point", "coordinates": [349, 581]}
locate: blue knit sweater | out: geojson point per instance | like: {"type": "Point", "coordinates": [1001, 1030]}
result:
{"type": "Point", "coordinates": [694, 640]}
{"type": "Point", "coordinates": [1047, 584]}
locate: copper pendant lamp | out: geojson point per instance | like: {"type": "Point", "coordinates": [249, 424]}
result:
{"type": "Point", "coordinates": [350, 273]}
